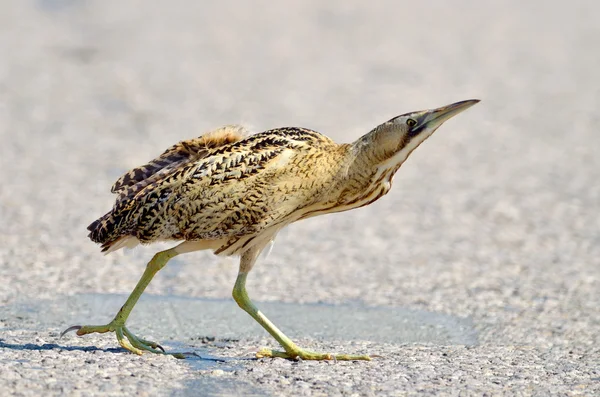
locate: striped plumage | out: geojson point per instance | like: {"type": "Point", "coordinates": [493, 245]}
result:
{"type": "Point", "coordinates": [232, 193]}
{"type": "Point", "coordinates": [229, 188]}
{"type": "Point", "coordinates": [223, 187]}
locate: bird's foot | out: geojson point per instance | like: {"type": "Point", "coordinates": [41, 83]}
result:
{"type": "Point", "coordinates": [125, 338]}
{"type": "Point", "coordinates": [308, 355]}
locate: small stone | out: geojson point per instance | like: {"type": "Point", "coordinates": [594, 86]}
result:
{"type": "Point", "coordinates": [217, 372]}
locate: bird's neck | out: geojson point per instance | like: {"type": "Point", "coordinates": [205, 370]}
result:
{"type": "Point", "coordinates": [370, 154]}
{"type": "Point", "coordinates": [363, 162]}
{"type": "Point", "coordinates": [360, 180]}
{"type": "Point", "coordinates": [380, 152]}
{"type": "Point", "coordinates": [370, 149]}
{"type": "Point", "coordinates": [370, 169]}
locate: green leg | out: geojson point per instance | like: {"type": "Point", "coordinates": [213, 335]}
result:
{"type": "Point", "coordinates": [125, 338]}
{"type": "Point", "coordinates": [292, 351]}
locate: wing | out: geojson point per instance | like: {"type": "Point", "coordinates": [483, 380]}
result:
{"type": "Point", "coordinates": [175, 157]}
{"type": "Point", "coordinates": [233, 191]}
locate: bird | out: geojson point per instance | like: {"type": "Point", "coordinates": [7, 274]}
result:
{"type": "Point", "coordinates": [231, 192]}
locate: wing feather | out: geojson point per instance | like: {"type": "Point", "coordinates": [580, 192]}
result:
{"type": "Point", "coordinates": [164, 166]}
{"type": "Point", "coordinates": [232, 190]}
{"type": "Point", "coordinates": [175, 157]}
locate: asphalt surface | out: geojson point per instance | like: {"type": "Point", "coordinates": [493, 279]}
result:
{"type": "Point", "coordinates": [479, 273]}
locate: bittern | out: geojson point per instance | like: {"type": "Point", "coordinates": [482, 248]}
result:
{"type": "Point", "coordinates": [233, 193]}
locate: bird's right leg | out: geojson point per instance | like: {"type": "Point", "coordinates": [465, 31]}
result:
{"type": "Point", "coordinates": [291, 350]}
{"type": "Point", "coordinates": [125, 338]}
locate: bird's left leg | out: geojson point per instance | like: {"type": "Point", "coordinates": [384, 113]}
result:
{"type": "Point", "coordinates": [125, 338]}
{"type": "Point", "coordinates": [292, 351]}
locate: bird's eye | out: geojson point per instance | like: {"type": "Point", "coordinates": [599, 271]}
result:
{"type": "Point", "coordinates": [411, 122]}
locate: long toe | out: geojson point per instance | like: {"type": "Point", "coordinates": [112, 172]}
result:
{"type": "Point", "coordinates": [141, 345]}
{"type": "Point", "coordinates": [308, 355]}
{"type": "Point", "coordinates": [352, 357]}
{"type": "Point", "coordinates": [126, 338]}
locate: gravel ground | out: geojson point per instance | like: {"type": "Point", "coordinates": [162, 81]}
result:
{"type": "Point", "coordinates": [494, 220]}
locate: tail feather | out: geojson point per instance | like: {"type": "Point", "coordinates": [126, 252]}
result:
{"type": "Point", "coordinates": [140, 187]}
{"type": "Point", "coordinates": [122, 242]}
{"type": "Point", "coordinates": [101, 229]}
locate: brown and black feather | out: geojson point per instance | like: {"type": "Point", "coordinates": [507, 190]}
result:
{"type": "Point", "coordinates": [174, 158]}
{"type": "Point", "coordinates": [225, 189]}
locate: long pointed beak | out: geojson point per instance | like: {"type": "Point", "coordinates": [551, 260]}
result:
{"type": "Point", "coordinates": [432, 119]}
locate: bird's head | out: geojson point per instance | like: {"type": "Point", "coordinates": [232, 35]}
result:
{"type": "Point", "coordinates": [393, 141]}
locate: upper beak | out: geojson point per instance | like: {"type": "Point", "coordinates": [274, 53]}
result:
{"type": "Point", "coordinates": [432, 119]}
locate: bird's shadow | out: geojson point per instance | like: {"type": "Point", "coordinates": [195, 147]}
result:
{"type": "Point", "coordinates": [52, 346]}
{"type": "Point", "coordinates": [188, 356]}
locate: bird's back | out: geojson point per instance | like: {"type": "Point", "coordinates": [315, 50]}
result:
{"type": "Point", "coordinates": [223, 187]}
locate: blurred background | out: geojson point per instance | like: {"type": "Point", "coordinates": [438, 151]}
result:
{"type": "Point", "coordinates": [495, 217]}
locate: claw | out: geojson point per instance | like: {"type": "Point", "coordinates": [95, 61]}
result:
{"type": "Point", "coordinates": [72, 328]}
{"type": "Point", "coordinates": [160, 347]}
